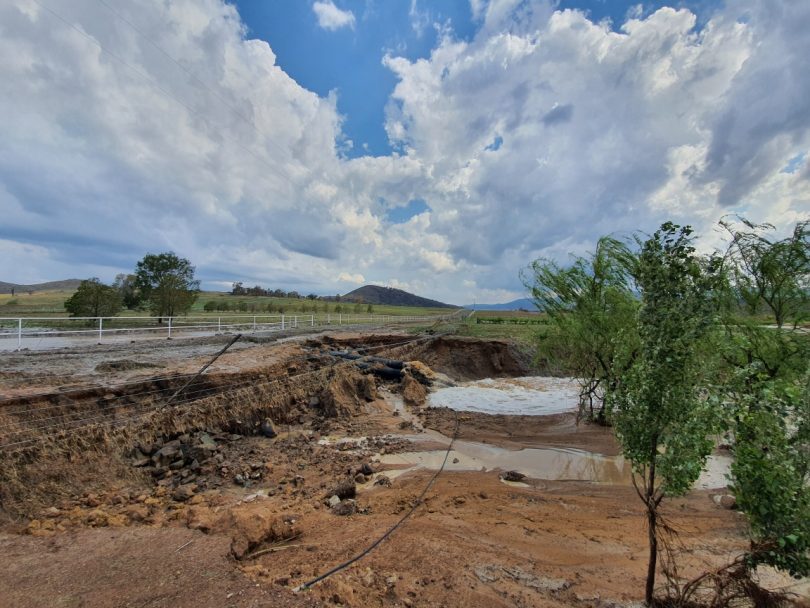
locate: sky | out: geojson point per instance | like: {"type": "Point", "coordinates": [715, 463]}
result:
{"type": "Point", "coordinates": [438, 147]}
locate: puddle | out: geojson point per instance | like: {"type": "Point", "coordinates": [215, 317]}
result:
{"type": "Point", "coordinates": [529, 395]}
{"type": "Point", "coordinates": [553, 464]}
{"type": "Point", "coordinates": [540, 463]}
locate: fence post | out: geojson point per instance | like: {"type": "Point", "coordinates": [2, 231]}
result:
{"type": "Point", "coordinates": [100, 328]}
{"type": "Point", "coordinates": [282, 322]}
{"type": "Point", "coordinates": [340, 319]}
{"type": "Point", "coordinates": [219, 325]}
{"type": "Point", "coordinates": [170, 327]}
{"type": "Point", "coordinates": [19, 334]}
{"type": "Point", "coordinates": [254, 322]}
{"type": "Point", "coordinates": [295, 321]}
{"type": "Point", "coordinates": [312, 321]}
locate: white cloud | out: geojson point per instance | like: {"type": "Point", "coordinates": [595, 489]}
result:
{"type": "Point", "coordinates": [331, 17]}
{"type": "Point", "coordinates": [357, 279]}
{"type": "Point", "coordinates": [540, 134]}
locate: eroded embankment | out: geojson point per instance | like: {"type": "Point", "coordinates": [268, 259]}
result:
{"type": "Point", "coordinates": [56, 442]}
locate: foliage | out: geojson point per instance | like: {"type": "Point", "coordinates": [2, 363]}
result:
{"type": "Point", "coordinates": [662, 419]}
{"type": "Point", "coordinates": [770, 472]}
{"type": "Point", "coordinates": [125, 284]}
{"type": "Point", "coordinates": [774, 275]}
{"type": "Point", "coordinates": [167, 283]}
{"type": "Point", "coordinates": [591, 309]}
{"type": "Point", "coordinates": [768, 389]}
{"type": "Point", "coordinates": [94, 299]}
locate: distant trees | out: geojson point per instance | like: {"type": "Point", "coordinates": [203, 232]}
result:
{"type": "Point", "coordinates": [166, 283]}
{"type": "Point", "coordinates": [94, 299]}
{"type": "Point", "coordinates": [125, 284]}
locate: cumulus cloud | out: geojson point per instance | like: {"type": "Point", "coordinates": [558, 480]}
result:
{"type": "Point", "coordinates": [330, 17]}
{"type": "Point", "coordinates": [600, 130]}
{"type": "Point", "coordinates": [541, 133]}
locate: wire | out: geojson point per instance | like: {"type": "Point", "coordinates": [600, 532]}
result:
{"type": "Point", "coordinates": [392, 529]}
{"type": "Point", "coordinates": [146, 409]}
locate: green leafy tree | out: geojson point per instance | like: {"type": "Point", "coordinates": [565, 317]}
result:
{"type": "Point", "coordinates": [770, 471]}
{"type": "Point", "coordinates": [94, 299]}
{"type": "Point", "coordinates": [125, 284]}
{"type": "Point", "coordinates": [591, 309]}
{"type": "Point", "coordinates": [769, 389]}
{"type": "Point", "coordinates": [771, 274]}
{"type": "Point", "coordinates": [369, 309]}
{"type": "Point", "coordinates": [664, 424]}
{"type": "Point", "coordinates": [167, 284]}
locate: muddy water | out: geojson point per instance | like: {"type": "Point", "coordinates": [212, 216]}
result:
{"type": "Point", "coordinates": [520, 396]}
{"type": "Point", "coordinates": [530, 395]}
{"type": "Point", "coordinates": [553, 464]}
{"type": "Point", "coordinates": [558, 464]}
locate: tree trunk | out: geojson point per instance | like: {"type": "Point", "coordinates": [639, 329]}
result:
{"type": "Point", "coordinates": [651, 564]}
{"type": "Point", "coordinates": [652, 520]}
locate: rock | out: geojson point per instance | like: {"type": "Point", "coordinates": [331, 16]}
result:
{"type": "Point", "coordinates": [455, 460]}
{"type": "Point", "coordinates": [345, 507]}
{"type": "Point", "coordinates": [413, 392]}
{"type": "Point", "coordinates": [513, 476]}
{"type": "Point", "coordinates": [136, 512]}
{"type": "Point", "coordinates": [366, 469]}
{"type": "Point", "coordinates": [727, 501]}
{"type": "Point", "coordinates": [251, 525]}
{"type": "Point", "coordinates": [200, 518]}
{"type": "Point", "coordinates": [166, 455]}
{"type": "Point", "coordinates": [333, 501]}
{"type": "Point", "coordinates": [140, 459]}
{"type": "Point", "coordinates": [267, 429]}
{"type": "Point", "coordinates": [382, 480]}
{"type": "Point", "coordinates": [184, 492]}
{"type": "Point", "coordinates": [360, 478]}
{"type": "Point", "coordinates": [52, 512]}
{"type": "Point", "coordinates": [345, 489]}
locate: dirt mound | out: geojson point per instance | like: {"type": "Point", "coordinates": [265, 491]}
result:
{"type": "Point", "coordinates": [346, 392]}
{"type": "Point", "coordinates": [472, 359]}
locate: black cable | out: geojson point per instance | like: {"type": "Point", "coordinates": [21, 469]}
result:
{"type": "Point", "coordinates": [392, 529]}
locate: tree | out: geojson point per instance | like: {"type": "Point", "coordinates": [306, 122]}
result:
{"type": "Point", "coordinates": [664, 424]}
{"type": "Point", "coordinates": [167, 283]}
{"type": "Point", "coordinates": [773, 274]}
{"type": "Point", "coordinates": [94, 299]}
{"type": "Point", "coordinates": [769, 389]}
{"type": "Point", "coordinates": [125, 284]}
{"type": "Point", "coordinates": [369, 309]}
{"type": "Point", "coordinates": [591, 308]}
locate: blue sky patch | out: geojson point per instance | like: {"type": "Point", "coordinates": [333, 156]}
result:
{"type": "Point", "coordinates": [400, 215]}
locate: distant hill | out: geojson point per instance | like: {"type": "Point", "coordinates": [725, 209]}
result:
{"type": "Point", "coordinates": [373, 294]}
{"type": "Point", "coordinates": [522, 303]}
{"type": "Point", "coordinates": [50, 286]}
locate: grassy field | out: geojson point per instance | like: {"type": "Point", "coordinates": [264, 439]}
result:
{"type": "Point", "coordinates": [51, 303]}
{"type": "Point", "coordinates": [516, 325]}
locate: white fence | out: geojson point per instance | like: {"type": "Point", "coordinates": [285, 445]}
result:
{"type": "Point", "coordinates": [59, 330]}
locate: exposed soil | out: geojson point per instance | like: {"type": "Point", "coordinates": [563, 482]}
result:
{"type": "Point", "coordinates": [239, 496]}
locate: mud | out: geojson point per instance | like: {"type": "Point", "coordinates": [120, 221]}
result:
{"type": "Point", "coordinates": [233, 518]}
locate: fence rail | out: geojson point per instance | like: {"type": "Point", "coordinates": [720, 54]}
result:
{"type": "Point", "coordinates": [27, 328]}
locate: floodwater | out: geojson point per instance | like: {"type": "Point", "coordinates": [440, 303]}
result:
{"type": "Point", "coordinates": [534, 395]}
{"type": "Point", "coordinates": [552, 464]}
{"type": "Point", "coordinates": [529, 395]}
